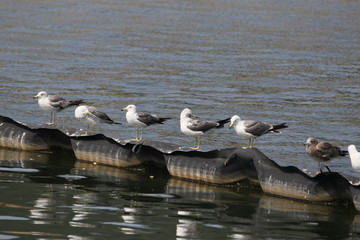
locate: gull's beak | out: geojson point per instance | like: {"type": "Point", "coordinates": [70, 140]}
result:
{"type": "Point", "coordinates": [124, 109]}
{"type": "Point", "coordinates": [194, 116]}
{"type": "Point", "coordinates": [36, 96]}
{"type": "Point", "coordinates": [231, 125]}
{"type": "Point", "coordinates": [86, 113]}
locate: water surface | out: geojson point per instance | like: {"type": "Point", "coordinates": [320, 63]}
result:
{"type": "Point", "coordinates": [294, 61]}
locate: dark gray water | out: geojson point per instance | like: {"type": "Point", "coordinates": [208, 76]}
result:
{"type": "Point", "coordinates": [276, 61]}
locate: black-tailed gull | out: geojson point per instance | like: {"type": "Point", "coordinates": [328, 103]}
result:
{"type": "Point", "coordinates": [196, 128]}
{"type": "Point", "coordinates": [322, 151]}
{"type": "Point", "coordinates": [53, 104]}
{"type": "Point", "coordinates": [141, 120]}
{"type": "Point", "coordinates": [91, 116]}
{"type": "Point", "coordinates": [251, 129]}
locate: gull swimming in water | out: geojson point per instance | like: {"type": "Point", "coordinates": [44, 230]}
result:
{"type": "Point", "coordinates": [141, 120]}
{"type": "Point", "coordinates": [252, 129]}
{"type": "Point", "coordinates": [53, 104]}
{"type": "Point", "coordinates": [322, 151]}
{"type": "Point", "coordinates": [354, 157]}
{"type": "Point", "coordinates": [196, 128]}
{"type": "Point", "coordinates": [91, 116]}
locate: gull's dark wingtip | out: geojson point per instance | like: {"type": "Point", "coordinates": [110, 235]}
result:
{"type": "Point", "coordinates": [163, 119]}
{"type": "Point", "coordinates": [223, 122]}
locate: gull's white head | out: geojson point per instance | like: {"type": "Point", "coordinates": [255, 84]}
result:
{"type": "Point", "coordinates": [354, 157]}
{"type": "Point", "coordinates": [234, 120]}
{"type": "Point", "coordinates": [185, 113]}
{"type": "Point", "coordinates": [41, 94]}
{"type": "Point", "coordinates": [352, 149]}
{"type": "Point", "coordinates": [81, 112]}
{"type": "Point", "coordinates": [129, 108]}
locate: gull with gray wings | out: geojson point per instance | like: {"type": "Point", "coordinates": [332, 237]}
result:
{"type": "Point", "coordinates": [141, 120]}
{"type": "Point", "coordinates": [251, 129]}
{"type": "Point", "coordinates": [91, 116]}
{"type": "Point", "coordinates": [53, 104]}
{"type": "Point", "coordinates": [196, 128]}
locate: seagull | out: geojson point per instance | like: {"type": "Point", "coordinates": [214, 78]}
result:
{"type": "Point", "coordinates": [52, 103]}
{"type": "Point", "coordinates": [91, 116]}
{"type": "Point", "coordinates": [141, 120]}
{"type": "Point", "coordinates": [197, 128]}
{"type": "Point", "coordinates": [322, 151]}
{"type": "Point", "coordinates": [252, 129]}
{"type": "Point", "coordinates": [354, 157]}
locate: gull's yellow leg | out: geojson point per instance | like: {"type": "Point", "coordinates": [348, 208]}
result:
{"type": "Point", "coordinates": [249, 145]}
{"type": "Point", "coordinates": [252, 142]}
{"type": "Point", "coordinates": [137, 139]}
{"type": "Point", "coordinates": [86, 132]}
{"type": "Point", "coordinates": [92, 131]}
{"type": "Point", "coordinates": [197, 144]}
{"type": "Point", "coordinates": [141, 134]}
{"type": "Point", "coordinates": [52, 119]}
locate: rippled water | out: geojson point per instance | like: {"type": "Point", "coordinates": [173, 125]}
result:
{"type": "Point", "coordinates": [276, 61]}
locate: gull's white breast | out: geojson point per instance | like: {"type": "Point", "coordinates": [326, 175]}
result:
{"type": "Point", "coordinates": [132, 120]}
{"type": "Point", "coordinates": [44, 104]}
{"type": "Point", "coordinates": [240, 129]}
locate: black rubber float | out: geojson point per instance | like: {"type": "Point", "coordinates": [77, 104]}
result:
{"type": "Point", "coordinates": [107, 151]}
{"type": "Point", "coordinates": [223, 166]}
{"type": "Point", "coordinates": [103, 150]}
{"type": "Point", "coordinates": [355, 192]}
{"type": "Point", "coordinates": [291, 182]}
{"type": "Point", "coordinates": [18, 136]}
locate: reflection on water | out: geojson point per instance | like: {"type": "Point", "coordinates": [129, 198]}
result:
{"type": "Point", "coordinates": [275, 61]}
{"type": "Point", "coordinates": [105, 203]}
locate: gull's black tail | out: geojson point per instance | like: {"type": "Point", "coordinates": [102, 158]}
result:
{"type": "Point", "coordinates": [163, 119]}
{"type": "Point", "coordinates": [277, 127]}
{"type": "Point", "coordinates": [343, 153]}
{"type": "Point", "coordinates": [74, 102]}
{"type": "Point", "coordinates": [223, 122]}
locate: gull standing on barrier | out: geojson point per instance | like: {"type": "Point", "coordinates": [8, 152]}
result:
{"type": "Point", "coordinates": [141, 120]}
{"type": "Point", "coordinates": [53, 104]}
{"type": "Point", "coordinates": [322, 151]}
{"type": "Point", "coordinates": [196, 128]}
{"type": "Point", "coordinates": [91, 116]}
{"type": "Point", "coordinates": [251, 129]}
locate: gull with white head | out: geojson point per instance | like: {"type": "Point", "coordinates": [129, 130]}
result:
{"type": "Point", "coordinates": [196, 128]}
{"type": "Point", "coordinates": [53, 104]}
{"type": "Point", "coordinates": [251, 129]}
{"type": "Point", "coordinates": [91, 116]}
{"type": "Point", "coordinates": [141, 120]}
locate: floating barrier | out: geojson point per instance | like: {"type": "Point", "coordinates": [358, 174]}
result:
{"type": "Point", "coordinates": [223, 166]}
{"type": "Point", "coordinates": [218, 166]}
{"type": "Point", "coordinates": [18, 136]}
{"type": "Point", "coordinates": [100, 149]}
{"type": "Point", "coordinates": [291, 182]}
